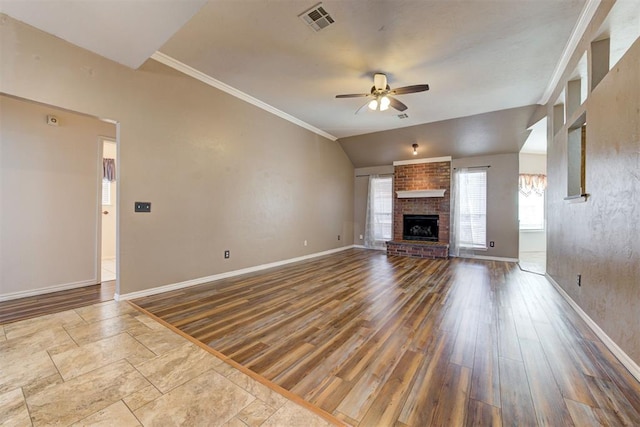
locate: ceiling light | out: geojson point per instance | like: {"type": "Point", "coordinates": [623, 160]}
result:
{"type": "Point", "coordinates": [373, 105]}
{"type": "Point", "coordinates": [415, 149]}
{"type": "Point", "coordinates": [384, 103]}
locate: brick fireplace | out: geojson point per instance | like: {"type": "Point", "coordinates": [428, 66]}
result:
{"type": "Point", "coordinates": [414, 179]}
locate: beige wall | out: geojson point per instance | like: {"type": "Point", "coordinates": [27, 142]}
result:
{"type": "Point", "coordinates": [502, 202]}
{"type": "Point", "coordinates": [600, 239]}
{"type": "Point", "coordinates": [219, 172]}
{"type": "Point", "coordinates": [49, 196]}
{"type": "Point", "coordinates": [361, 192]}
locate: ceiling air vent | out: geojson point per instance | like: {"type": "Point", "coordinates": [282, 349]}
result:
{"type": "Point", "coordinates": [317, 17]}
{"type": "Point", "coordinates": [403, 116]}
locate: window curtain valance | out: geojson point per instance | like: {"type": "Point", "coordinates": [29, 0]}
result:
{"type": "Point", "coordinates": [532, 183]}
{"type": "Point", "coordinates": [109, 169]}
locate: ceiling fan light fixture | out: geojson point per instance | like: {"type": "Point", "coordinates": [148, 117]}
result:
{"type": "Point", "coordinates": [373, 105]}
{"type": "Point", "coordinates": [384, 103]}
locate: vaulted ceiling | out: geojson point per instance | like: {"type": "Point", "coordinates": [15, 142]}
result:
{"type": "Point", "coordinates": [483, 60]}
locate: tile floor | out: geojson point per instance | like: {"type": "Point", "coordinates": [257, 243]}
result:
{"type": "Point", "coordinates": [534, 262]}
{"type": "Point", "coordinates": [108, 364]}
{"type": "Point", "coordinates": [108, 269]}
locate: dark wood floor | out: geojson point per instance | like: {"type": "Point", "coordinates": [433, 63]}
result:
{"type": "Point", "coordinates": [55, 302]}
{"type": "Point", "coordinates": [383, 341]}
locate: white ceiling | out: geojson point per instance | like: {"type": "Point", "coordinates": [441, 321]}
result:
{"type": "Point", "coordinates": [477, 56]}
{"type": "Point", "coordinates": [126, 31]}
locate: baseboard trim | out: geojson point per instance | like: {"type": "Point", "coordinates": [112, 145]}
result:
{"type": "Point", "coordinates": [488, 258]}
{"type": "Point", "coordinates": [226, 275]}
{"type": "Point", "coordinates": [47, 290]}
{"type": "Point", "coordinates": [623, 357]}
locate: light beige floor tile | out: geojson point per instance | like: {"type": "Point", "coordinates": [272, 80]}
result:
{"type": "Point", "coordinates": [82, 396]}
{"type": "Point", "coordinates": [141, 397]}
{"type": "Point", "coordinates": [234, 422]}
{"type": "Point", "coordinates": [256, 413]}
{"type": "Point", "coordinates": [105, 310]}
{"type": "Point", "coordinates": [151, 323]}
{"type": "Point", "coordinates": [39, 340]}
{"type": "Point", "coordinates": [95, 331]}
{"type": "Point", "coordinates": [226, 369]}
{"type": "Point", "coordinates": [208, 400]}
{"type": "Point", "coordinates": [178, 366]}
{"type": "Point", "coordinates": [161, 341]}
{"type": "Point", "coordinates": [91, 356]}
{"type": "Point", "coordinates": [260, 391]}
{"type": "Point", "coordinates": [28, 327]}
{"type": "Point", "coordinates": [42, 383]}
{"type": "Point", "coordinates": [24, 370]}
{"type": "Point", "coordinates": [292, 415]}
{"type": "Point", "coordinates": [13, 409]}
{"type": "Point", "coordinates": [115, 415]}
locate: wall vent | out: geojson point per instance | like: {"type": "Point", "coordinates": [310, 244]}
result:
{"type": "Point", "coordinates": [403, 116]}
{"type": "Point", "coordinates": [317, 17]}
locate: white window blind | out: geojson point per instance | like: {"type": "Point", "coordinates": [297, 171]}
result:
{"type": "Point", "coordinates": [382, 189]}
{"type": "Point", "coordinates": [472, 190]}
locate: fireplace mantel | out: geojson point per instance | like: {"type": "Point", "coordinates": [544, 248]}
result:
{"type": "Point", "coordinates": [415, 194]}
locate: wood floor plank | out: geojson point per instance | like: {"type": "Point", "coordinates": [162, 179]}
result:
{"type": "Point", "coordinates": [517, 404]}
{"type": "Point", "coordinates": [395, 341]}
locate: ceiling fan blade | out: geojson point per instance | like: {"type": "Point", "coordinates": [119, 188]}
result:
{"type": "Point", "coordinates": [409, 89]}
{"type": "Point", "coordinates": [353, 95]}
{"type": "Point", "coordinates": [397, 104]}
{"type": "Point", "coordinates": [363, 108]}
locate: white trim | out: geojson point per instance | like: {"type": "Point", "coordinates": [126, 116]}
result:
{"type": "Point", "coordinates": [419, 161]}
{"type": "Point", "coordinates": [584, 19]}
{"type": "Point", "coordinates": [198, 75]}
{"type": "Point", "coordinates": [487, 258]}
{"type": "Point", "coordinates": [623, 357]}
{"type": "Point", "coordinates": [47, 290]}
{"type": "Point", "coordinates": [226, 275]}
{"type": "Point", "coordinates": [414, 194]}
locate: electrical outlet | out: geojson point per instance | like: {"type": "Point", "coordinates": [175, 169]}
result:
{"type": "Point", "coordinates": [227, 254]}
{"type": "Point", "coordinates": [305, 243]}
{"type": "Point", "coordinates": [361, 237]}
{"type": "Point", "coordinates": [579, 280]}
{"type": "Point", "coordinates": [492, 243]}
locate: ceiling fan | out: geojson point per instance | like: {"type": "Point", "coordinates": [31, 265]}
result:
{"type": "Point", "coordinates": [381, 94]}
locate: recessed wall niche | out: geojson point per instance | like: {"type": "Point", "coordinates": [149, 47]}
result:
{"type": "Point", "coordinates": [576, 158]}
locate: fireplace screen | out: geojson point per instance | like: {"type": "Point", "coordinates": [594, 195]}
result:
{"type": "Point", "coordinates": [420, 227]}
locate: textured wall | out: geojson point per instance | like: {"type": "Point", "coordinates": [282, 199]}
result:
{"type": "Point", "coordinates": [49, 196]}
{"type": "Point", "coordinates": [600, 239]}
{"type": "Point", "coordinates": [220, 173]}
{"type": "Point", "coordinates": [502, 202]}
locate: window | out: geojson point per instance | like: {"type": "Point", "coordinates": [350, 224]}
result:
{"type": "Point", "coordinates": [106, 192]}
{"type": "Point", "coordinates": [531, 201]}
{"type": "Point", "coordinates": [381, 192]}
{"type": "Point", "coordinates": [472, 213]}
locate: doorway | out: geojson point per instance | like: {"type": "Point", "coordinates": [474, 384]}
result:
{"type": "Point", "coordinates": [108, 212]}
{"type": "Point", "coordinates": [532, 200]}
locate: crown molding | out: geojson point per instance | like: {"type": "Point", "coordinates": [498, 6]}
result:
{"type": "Point", "coordinates": [579, 29]}
{"type": "Point", "coordinates": [198, 75]}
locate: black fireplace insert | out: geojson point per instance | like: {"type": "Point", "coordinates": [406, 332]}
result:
{"type": "Point", "coordinates": [420, 227]}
